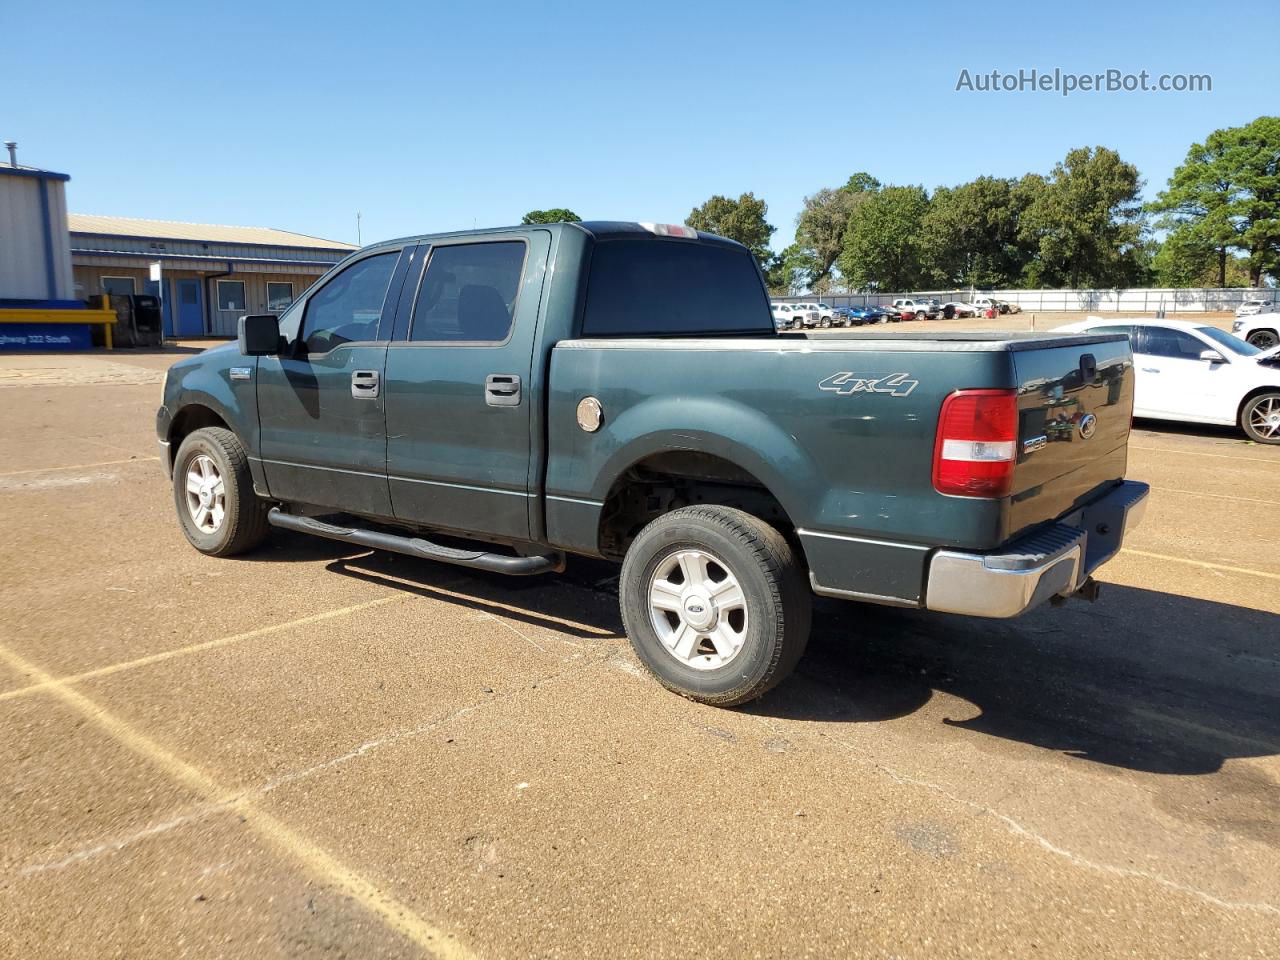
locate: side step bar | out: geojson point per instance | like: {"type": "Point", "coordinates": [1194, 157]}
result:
{"type": "Point", "coordinates": [417, 547]}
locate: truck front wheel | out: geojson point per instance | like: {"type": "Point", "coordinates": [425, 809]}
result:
{"type": "Point", "coordinates": [715, 603]}
{"type": "Point", "coordinates": [213, 493]}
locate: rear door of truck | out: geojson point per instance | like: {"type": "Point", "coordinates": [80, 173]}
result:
{"type": "Point", "coordinates": [1075, 406]}
{"type": "Point", "coordinates": [456, 385]}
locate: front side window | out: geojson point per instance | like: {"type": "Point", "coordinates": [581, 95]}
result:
{"type": "Point", "coordinates": [349, 306]}
{"type": "Point", "coordinates": [1234, 344]}
{"type": "Point", "coordinates": [231, 295]}
{"type": "Point", "coordinates": [468, 294]}
{"type": "Point", "coordinates": [1164, 342]}
{"type": "Point", "coordinates": [279, 296]}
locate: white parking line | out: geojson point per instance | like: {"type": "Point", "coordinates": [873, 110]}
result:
{"type": "Point", "coordinates": [1216, 496]}
{"type": "Point", "coordinates": [1197, 453]}
{"type": "Point", "coordinates": [80, 466]}
{"type": "Point", "coordinates": [1202, 563]}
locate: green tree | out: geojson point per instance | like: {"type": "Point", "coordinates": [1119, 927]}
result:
{"type": "Point", "coordinates": [790, 271]}
{"type": "Point", "coordinates": [554, 215]}
{"type": "Point", "coordinates": [882, 241]}
{"type": "Point", "coordinates": [821, 224]}
{"type": "Point", "coordinates": [1085, 223]}
{"type": "Point", "coordinates": [969, 237]}
{"type": "Point", "coordinates": [1226, 196]}
{"type": "Point", "coordinates": [742, 220]}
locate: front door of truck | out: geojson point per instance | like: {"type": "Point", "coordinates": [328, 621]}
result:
{"type": "Point", "coordinates": [459, 408]}
{"type": "Point", "coordinates": [320, 402]}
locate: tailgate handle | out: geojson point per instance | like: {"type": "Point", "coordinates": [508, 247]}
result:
{"type": "Point", "coordinates": [1088, 367]}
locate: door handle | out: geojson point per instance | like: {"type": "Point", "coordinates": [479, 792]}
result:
{"type": "Point", "coordinates": [364, 384]}
{"type": "Point", "coordinates": [502, 390]}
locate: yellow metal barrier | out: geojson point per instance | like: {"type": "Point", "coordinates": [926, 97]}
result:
{"type": "Point", "coordinates": [93, 317]}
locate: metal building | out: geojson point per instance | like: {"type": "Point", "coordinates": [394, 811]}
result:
{"type": "Point", "coordinates": [211, 274]}
{"type": "Point", "coordinates": [35, 260]}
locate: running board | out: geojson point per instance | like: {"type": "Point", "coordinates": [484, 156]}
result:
{"type": "Point", "coordinates": [417, 547]}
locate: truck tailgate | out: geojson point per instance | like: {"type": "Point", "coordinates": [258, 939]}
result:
{"type": "Point", "coordinates": [1075, 405]}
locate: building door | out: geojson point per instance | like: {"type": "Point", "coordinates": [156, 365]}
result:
{"type": "Point", "coordinates": [229, 305]}
{"type": "Point", "coordinates": [190, 311]}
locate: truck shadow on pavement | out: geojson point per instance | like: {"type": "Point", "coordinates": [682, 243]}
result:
{"type": "Point", "coordinates": [1142, 680]}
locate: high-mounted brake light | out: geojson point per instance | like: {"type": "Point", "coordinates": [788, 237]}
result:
{"type": "Point", "coordinates": [977, 443]}
{"type": "Point", "coordinates": [671, 230]}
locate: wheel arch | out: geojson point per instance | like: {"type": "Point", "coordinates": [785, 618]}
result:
{"type": "Point", "coordinates": [1255, 392]}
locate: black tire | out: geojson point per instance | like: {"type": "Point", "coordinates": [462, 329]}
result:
{"type": "Point", "coordinates": [244, 520]}
{"type": "Point", "coordinates": [777, 602]}
{"type": "Point", "coordinates": [1264, 339]}
{"type": "Point", "coordinates": [921, 315]}
{"type": "Point", "coordinates": [1259, 407]}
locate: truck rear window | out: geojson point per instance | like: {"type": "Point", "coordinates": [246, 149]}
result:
{"type": "Point", "coordinates": [649, 287]}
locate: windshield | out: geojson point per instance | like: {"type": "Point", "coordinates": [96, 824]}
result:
{"type": "Point", "coordinates": [1234, 344]}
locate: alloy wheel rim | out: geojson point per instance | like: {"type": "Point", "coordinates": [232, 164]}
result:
{"type": "Point", "coordinates": [1265, 418]}
{"type": "Point", "coordinates": [206, 494]}
{"type": "Point", "coordinates": [698, 609]}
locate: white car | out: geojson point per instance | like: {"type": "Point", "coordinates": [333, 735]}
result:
{"type": "Point", "coordinates": [1253, 306]}
{"type": "Point", "coordinates": [1199, 374]}
{"type": "Point", "coordinates": [826, 315]}
{"type": "Point", "coordinates": [788, 315]}
{"type": "Point", "coordinates": [1260, 329]}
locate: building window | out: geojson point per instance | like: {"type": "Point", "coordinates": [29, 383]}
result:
{"type": "Point", "coordinates": [119, 286]}
{"type": "Point", "coordinates": [279, 296]}
{"type": "Point", "coordinates": [231, 295]}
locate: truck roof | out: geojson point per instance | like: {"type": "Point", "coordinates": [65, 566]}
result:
{"type": "Point", "coordinates": [596, 229]}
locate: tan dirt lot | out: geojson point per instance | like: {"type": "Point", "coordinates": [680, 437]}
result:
{"type": "Point", "coordinates": [314, 751]}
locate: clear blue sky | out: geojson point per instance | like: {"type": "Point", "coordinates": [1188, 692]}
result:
{"type": "Point", "coordinates": [433, 116]}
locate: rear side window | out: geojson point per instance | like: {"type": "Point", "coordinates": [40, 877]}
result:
{"type": "Point", "coordinates": [469, 293]}
{"type": "Point", "coordinates": [648, 287]}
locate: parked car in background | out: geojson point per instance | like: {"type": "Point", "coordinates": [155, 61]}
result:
{"type": "Point", "coordinates": [797, 315]}
{"type": "Point", "coordinates": [959, 308]}
{"type": "Point", "coordinates": [1261, 329]}
{"type": "Point", "coordinates": [1255, 305]}
{"type": "Point", "coordinates": [1198, 374]}
{"type": "Point", "coordinates": [1008, 306]}
{"type": "Point", "coordinates": [985, 305]}
{"type": "Point", "coordinates": [920, 309]}
{"type": "Point", "coordinates": [826, 315]}
{"type": "Point", "coordinates": [860, 316]}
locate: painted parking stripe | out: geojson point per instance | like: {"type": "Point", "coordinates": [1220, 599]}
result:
{"type": "Point", "coordinates": [80, 466]}
{"type": "Point", "coordinates": [1197, 453]}
{"type": "Point", "coordinates": [1216, 496]}
{"type": "Point", "coordinates": [1202, 563]}
{"type": "Point", "coordinates": [197, 647]}
{"type": "Point", "coordinates": [320, 862]}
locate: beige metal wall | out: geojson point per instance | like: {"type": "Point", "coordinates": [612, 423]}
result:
{"type": "Point", "coordinates": [23, 273]}
{"type": "Point", "coordinates": [88, 281]}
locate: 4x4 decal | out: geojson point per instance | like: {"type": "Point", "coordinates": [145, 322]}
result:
{"type": "Point", "coordinates": [894, 384]}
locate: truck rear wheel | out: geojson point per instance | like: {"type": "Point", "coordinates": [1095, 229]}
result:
{"type": "Point", "coordinates": [213, 493]}
{"type": "Point", "coordinates": [715, 603]}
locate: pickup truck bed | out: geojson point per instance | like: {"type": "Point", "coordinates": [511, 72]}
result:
{"type": "Point", "coordinates": [619, 390]}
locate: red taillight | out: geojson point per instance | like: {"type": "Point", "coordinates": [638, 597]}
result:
{"type": "Point", "coordinates": [977, 443]}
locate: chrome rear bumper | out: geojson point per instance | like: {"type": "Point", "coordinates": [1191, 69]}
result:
{"type": "Point", "coordinates": [1052, 562]}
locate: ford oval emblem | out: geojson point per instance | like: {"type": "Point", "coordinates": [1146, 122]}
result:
{"type": "Point", "coordinates": [1088, 425]}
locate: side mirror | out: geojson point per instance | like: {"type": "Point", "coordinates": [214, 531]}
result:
{"type": "Point", "coordinates": [1212, 356]}
{"type": "Point", "coordinates": [260, 335]}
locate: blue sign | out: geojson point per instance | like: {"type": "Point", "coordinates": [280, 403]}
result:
{"type": "Point", "coordinates": [45, 336]}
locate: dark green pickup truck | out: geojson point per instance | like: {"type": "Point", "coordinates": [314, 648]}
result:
{"type": "Point", "coordinates": [502, 398]}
